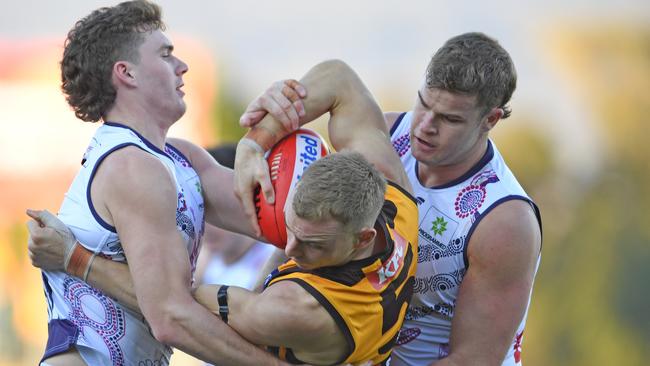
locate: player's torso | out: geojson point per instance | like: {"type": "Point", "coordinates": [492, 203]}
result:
{"type": "Point", "coordinates": [108, 333]}
{"type": "Point", "coordinates": [448, 215]}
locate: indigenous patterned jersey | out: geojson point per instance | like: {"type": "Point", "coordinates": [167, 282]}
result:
{"type": "Point", "coordinates": [367, 298]}
{"type": "Point", "coordinates": [448, 215]}
{"type": "Point", "coordinates": [103, 331]}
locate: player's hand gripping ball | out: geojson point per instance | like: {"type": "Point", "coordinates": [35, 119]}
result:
{"type": "Point", "coordinates": [288, 160]}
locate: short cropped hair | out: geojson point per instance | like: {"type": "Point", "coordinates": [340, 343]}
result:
{"type": "Point", "coordinates": [343, 186]}
{"type": "Point", "coordinates": [474, 64]}
{"type": "Point", "coordinates": [96, 42]}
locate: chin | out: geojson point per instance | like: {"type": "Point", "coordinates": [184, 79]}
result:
{"type": "Point", "coordinates": [305, 266]}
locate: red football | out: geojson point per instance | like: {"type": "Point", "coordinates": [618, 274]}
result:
{"type": "Point", "coordinates": [287, 160]}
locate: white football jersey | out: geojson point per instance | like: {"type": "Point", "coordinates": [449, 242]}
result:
{"type": "Point", "coordinates": [103, 331]}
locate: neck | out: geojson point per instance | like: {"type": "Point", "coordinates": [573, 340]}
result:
{"type": "Point", "coordinates": [436, 175]}
{"type": "Point", "coordinates": [155, 131]}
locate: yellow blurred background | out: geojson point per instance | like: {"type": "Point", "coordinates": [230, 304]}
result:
{"type": "Point", "coordinates": [575, 139]}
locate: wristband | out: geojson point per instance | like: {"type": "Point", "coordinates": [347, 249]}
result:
{"type": "Point", "coordinates": [79, 262]}
{"type": "Point", "coordinates": [68, 254]}
{"type": "Point", "coordinates": [252, 144]}
{"type": "Point", "coordinates": [90, 263]}
{"type": "Point", "coordinates": [222, 299]}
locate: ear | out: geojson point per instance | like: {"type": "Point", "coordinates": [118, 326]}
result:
{"type": "Point", "coordinates": [124, 73]}
{"type": "Point", "coordinates": [492, 118]}
{"type": "Point", "coordinates": [365, 237]}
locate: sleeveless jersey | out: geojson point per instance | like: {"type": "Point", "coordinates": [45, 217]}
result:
{"type": "Point", "coordinates": [103, 331]}
{"type": "Point", "coordinates": [448, 215]}
{"type": "Point", "coordinates": [368, 297]}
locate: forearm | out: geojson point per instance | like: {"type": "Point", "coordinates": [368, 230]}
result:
{"type": "Point", "coordinates": [327, 83]}
{"type": "Point", "coordinates": [203, 335]}
{"type": "Point", "coordinates": [114, 279]}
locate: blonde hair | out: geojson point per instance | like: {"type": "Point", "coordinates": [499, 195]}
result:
{"type": "Point", "coordinates": [343, 186]}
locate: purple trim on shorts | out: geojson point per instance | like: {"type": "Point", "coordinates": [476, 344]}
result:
{"type": "Point", "coordinates": [61, 335]}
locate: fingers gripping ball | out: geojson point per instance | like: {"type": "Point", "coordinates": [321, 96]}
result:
{"type": "Point", "coordinates": [288, 160]}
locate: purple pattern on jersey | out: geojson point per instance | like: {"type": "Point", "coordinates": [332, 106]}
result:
{"type": "Point", "coordinates": [183, 220]}
{"type": "Point", "coordinates": [439, 282]}
{"type": "Point", "coordinates": [176, 156]}
{"type": "Point", "coordinates": [402, 144]}
{"type": "Point", "coordinates": [471, 198]}
{"type": "Point", "coordinates": [417, 312]}
{"type": "Point", "coordinates": [430, 252]}
{"type": "Point", "coordinates": [406, 335]}
{"type": "Point", "coordinates": [111, 328]}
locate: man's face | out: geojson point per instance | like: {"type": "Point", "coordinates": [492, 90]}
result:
{"type": "Point", "coordinates": [446, 127]}
{"type": "Point", "coordinates": [159, 76]}
{"type": "Point", "coordinates": [320, 243]}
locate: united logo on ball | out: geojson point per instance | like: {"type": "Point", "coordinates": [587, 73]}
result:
{"type": "Point", "coordinates": [288, 160]}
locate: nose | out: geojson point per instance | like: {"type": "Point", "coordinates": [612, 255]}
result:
{"type": "Point", "coordinates": [182, 67]}
{"type": "Point", "coordinates": [428, 123]}
{"type": "Point", "coordinates": [291, 249]}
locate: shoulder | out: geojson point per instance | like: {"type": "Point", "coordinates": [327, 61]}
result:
{"type": "Point", "coordinates": [131, 171]}
{"type": "Point", "coordinates": [198, 156]}
{"type": "Point", "coordinates": [131, 159]}
{"type": "Point", "coordinates": [292, 296]}
{"type": "Point", "coordinates": [187, 148]}
{"type": "Point", "coordinates": [508, 239]}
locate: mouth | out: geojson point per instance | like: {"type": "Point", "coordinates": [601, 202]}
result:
{"type": "Point", "coordinates": [424, 143]}
{"type": "Point", "coordinates": [178, 89]}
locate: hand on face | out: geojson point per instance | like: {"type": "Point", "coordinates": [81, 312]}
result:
{"type": "Point", "coordinates": [50, 241]}
{"type": "Point", "coordinates": [283, 100]}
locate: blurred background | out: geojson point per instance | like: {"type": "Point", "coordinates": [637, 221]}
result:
{"type": "Point", "coordinates": [575, 139]}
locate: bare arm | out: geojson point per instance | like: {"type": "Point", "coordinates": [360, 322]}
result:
{"type": "Point", "coordinates": [142, 210]}
{"type": "Point", "coordinates": [50, 241]}
{"type": "Point", "coordinates": [493, 296]}
{"type": "Point", "coordinates": [283, 315]}
{"type": "Point", "coordinates": [356, 123]}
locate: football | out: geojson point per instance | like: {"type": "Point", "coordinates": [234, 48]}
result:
{"type": "Point", "coordinates": [288, 160]}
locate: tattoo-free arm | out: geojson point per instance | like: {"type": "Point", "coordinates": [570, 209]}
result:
{"type": "Point", "coordinates": [503, 254]}
{"type": "Point", "coordinates": [142, 208]}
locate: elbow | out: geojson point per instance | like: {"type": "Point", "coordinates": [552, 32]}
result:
{"type": "Point", "coordinates": [167, 325]}
{"type": "Point", "coordinates": [164, 333]}
{"type": "Point", "coordinates": [336, 67]}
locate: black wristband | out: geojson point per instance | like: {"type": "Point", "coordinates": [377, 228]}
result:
{"type": "Point", "coordinates": [222, 299]}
